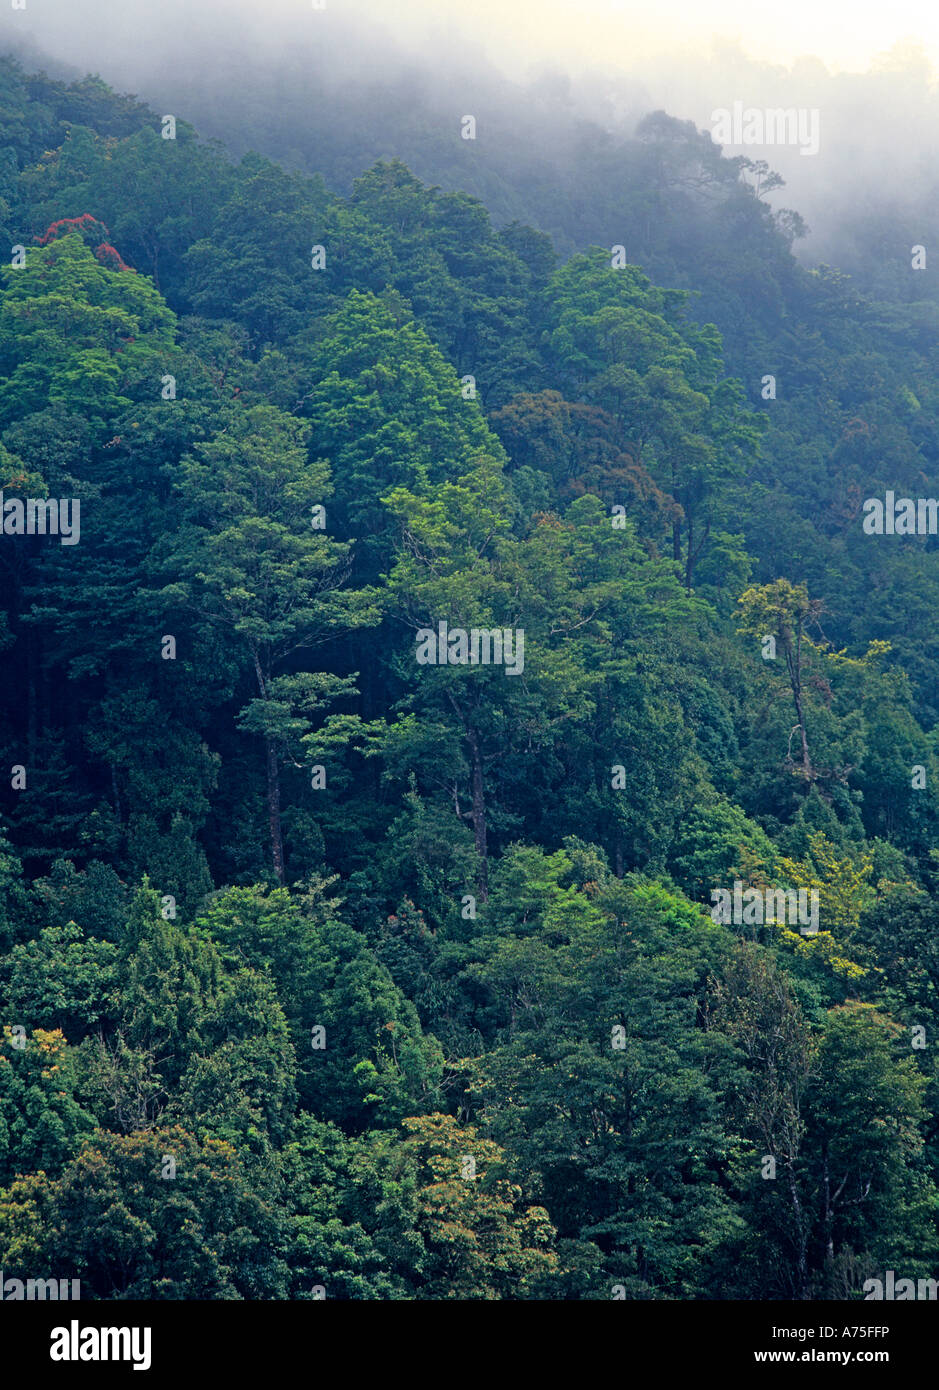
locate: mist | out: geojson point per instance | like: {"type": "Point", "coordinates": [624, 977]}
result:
{"type": "Point", "coordinates": [372, 79]}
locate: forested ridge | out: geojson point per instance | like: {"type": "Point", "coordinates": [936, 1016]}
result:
{"type": "Point", "coordinates": [329, 971]}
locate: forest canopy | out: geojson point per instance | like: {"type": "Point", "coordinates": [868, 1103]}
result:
{"type": "Point", "coordinates": [452, 615]}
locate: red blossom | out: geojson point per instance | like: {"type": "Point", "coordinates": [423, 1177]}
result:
{"type": "Point", "coordinates": [94, 234]}
{"type": "Point", "coordinates": [108, 256]}
{"type": "Point", "coordinates": [86, 225]}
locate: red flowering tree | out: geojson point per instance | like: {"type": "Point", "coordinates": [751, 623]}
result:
{"type": "Point", "coordinates": [94, 234]}
{"type": "Point", "coordinates": [108, 256]}
{"type": "Point", "coordinates": [89, 229]}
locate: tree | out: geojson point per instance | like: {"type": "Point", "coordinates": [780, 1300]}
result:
{"type": "Point", "coordinates": [42, 1123]}
{"type": "Point", "coordinates": [74, 331]}
{"type": "Point", "coordinates": [842, 884]}
{"type": "Point", "coordinates": [865, 1160]}
{"type": "Point", "coordinates": [252, 564]}
{"type": "Point", "coordinates": [360, 1050]}
{"type": "Point", "coordinates": [597, 1080]}
{"type": "Point", "coordinates": [627, 346]}
{"type": "Point", "coordinates": [467, 1230]}
{"type": "Point", "coordinates": [755, 1008]}
{"type": "Point", "coordinates": [155, 1215]}
{"type": "Point", "coordinates": [785, 612]}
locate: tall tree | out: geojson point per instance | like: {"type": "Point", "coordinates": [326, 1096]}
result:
{"type": "Point", "coordinates": [255, 560]}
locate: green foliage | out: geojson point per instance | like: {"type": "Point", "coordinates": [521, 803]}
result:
{"type": "Point", "coordinates": [408, 967]}
{"type": "Point", "coordinates": [76, 333]}
{"type": "Point", "coordinates": [118, 1222]}
{"type": "Point", "coordinates": [41, 1122]}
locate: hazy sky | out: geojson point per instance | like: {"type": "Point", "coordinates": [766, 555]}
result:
{"type": "Point", "coordinates": [845, 34]}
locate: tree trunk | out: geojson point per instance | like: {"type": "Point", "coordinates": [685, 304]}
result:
{"type": "Point", "coordinates": [829, 1205]}
{"type": "Point", "coordinates": [806, 760]}
{"type": "Point", "coordinates": [801, 1242]}
{"type": "Point", "coordinates": [795, 680]}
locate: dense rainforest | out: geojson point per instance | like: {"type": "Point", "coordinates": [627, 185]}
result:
{"type": "Point", "coordinates": [327, 971]}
